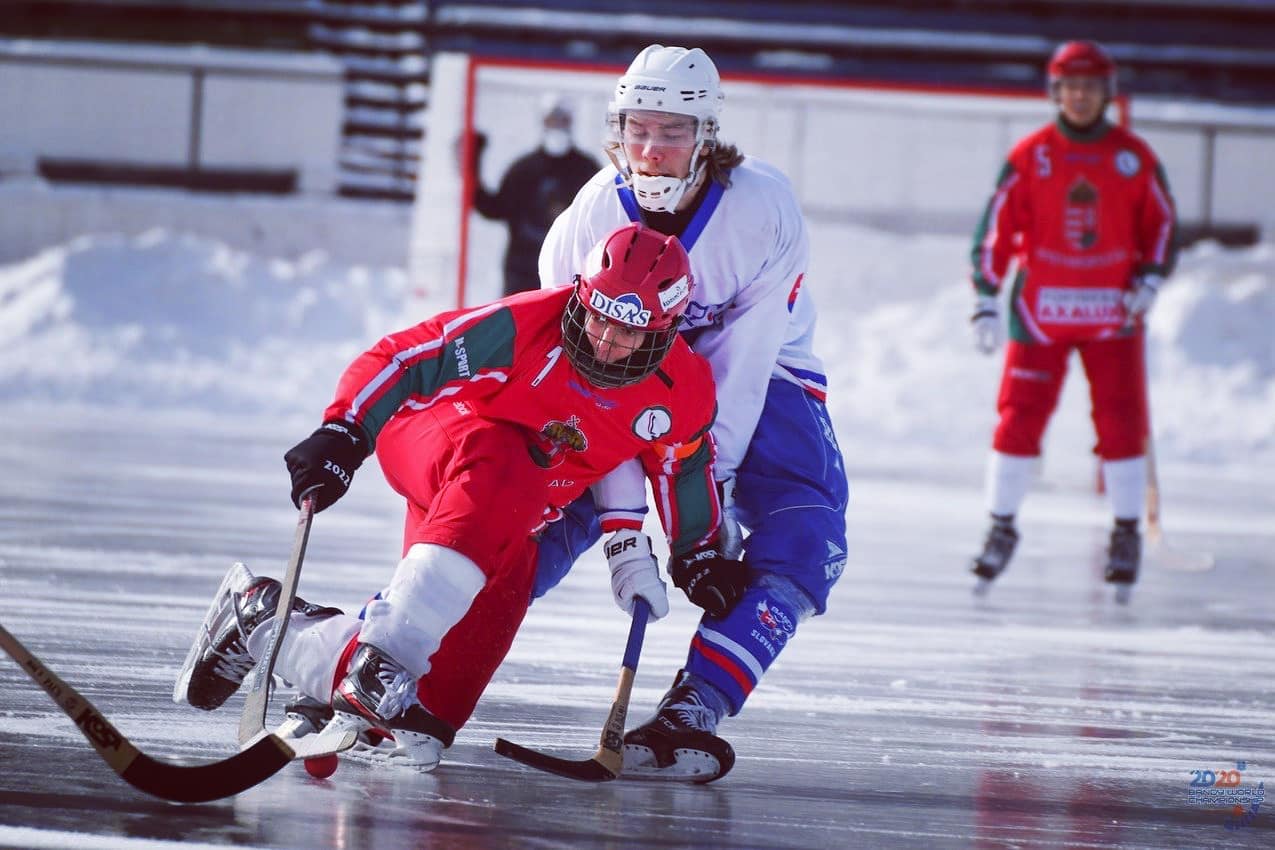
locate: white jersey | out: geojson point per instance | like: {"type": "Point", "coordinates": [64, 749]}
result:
{"type": "Point", "coordinates": [749, 315]}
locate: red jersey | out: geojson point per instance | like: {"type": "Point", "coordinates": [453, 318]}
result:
{"type": "Point", "coordinates": [504, 362]}
{"type": "Point", "coordinates": [1083, 214]}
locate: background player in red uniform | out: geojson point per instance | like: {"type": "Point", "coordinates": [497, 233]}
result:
{"type": "Point", "coordinates": [1083, 206]}
{"type": "Point", "coordinates": [488, 421]}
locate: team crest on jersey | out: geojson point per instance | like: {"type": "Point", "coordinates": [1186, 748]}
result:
{"type": "Point", "coordinates": [1127, 163]}
{"type": "Point", "coordinates": [556, 439]}
{"type": "Point", "coordinates": [702, 315]}
{"type": "Point", "coordinates": [1080, 217]}
{"type": "Point", "coordinates": [653, 423]}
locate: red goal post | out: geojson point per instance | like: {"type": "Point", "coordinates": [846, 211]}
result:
{"type": "Point", "coordinates": [918, 157]}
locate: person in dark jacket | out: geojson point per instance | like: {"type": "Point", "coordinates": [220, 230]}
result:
{"type": "Point", "coordinates": [536, 188]}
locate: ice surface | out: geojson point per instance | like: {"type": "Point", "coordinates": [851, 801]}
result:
{"type": "Point", "coordinates": [151, 386]}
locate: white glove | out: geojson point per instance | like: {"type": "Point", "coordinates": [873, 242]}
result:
{"type": "Point", "coordinates": [731, 539]}
{"type": "Point", "coordinates": [1138, 301]}
{"type": "Point", "coordinates": [989, 332]}
{"type": "Point", "coordinates": [635, 572]}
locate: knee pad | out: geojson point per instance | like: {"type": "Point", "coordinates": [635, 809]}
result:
{"type": "Point", "coordinates": [432, 589]}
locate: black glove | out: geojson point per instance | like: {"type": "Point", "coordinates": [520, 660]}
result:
{"type": "Point", "coordinates": [711, 581]}
{"type": "Point", "coordinates": [326, 459]}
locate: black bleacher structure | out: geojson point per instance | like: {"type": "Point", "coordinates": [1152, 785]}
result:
{"type": "Point", "coordinates": [1218, 50]}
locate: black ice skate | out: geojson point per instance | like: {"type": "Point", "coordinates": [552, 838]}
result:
{"type": "Point", "coordinates": [304, 716]}
{"type": "Point", "coordinates": [679, 743]}
{"type": "Point", "coordinates": [378, 697]}
{"type": "Point", "coordinates": [998, 548]}
{"type": "Point", "coordinates": [218, 660]}
{"type": "Point", "coordinates": [1124, 554]}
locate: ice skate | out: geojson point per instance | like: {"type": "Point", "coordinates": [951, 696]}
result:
{"type": "Point", "coordinates": [998, 548]}
{"type": "Point", "coordinates": [679, 743]}
{"type": "Point", "coordinates": [218, 660]}
{"type": "Point", "coordinates": [1124, 555]}
{"type": "Point", "coordinates": [378, 698]}
{"type": "Point", "coordinates": [308, 729]}
{"type": "Point", "coordinates": [304, 716]}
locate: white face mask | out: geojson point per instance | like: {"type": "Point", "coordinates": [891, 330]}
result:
{"type": "Point", "coordinates": [556, 142]}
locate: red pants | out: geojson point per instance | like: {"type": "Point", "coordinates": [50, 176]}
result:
{"type": "Point", "coordinates": [1033, 378]}
{"type": "Point", "coordinates": [474, 488]}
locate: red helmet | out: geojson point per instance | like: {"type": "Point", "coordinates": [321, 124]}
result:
{"type": "Point", "coordinates": [640, 279]}
{"type": "Point", "coordinates": [1082, 59]}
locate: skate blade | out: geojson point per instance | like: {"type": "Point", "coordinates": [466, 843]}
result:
{"type": "Point", "coordinates": [386, 753]}
{"type": "Point", "coordinates": [982, 587]}
{"type": "Point", "coordinates": [237, 576]}
{"type": "Point", "coordinates": [328, 741]}
{"type": "Point", "coordinates": [1124, 593]}
{"type": "Point", "coordinates": [688, 765]}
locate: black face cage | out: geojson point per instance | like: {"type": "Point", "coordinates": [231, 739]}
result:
{"type": "Point", "coordinates": [644, 360]}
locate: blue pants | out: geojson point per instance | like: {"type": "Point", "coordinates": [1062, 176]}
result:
{"type": "Point", "coordinates": [791, 496]}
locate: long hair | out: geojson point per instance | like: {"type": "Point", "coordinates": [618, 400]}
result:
{"type": "Point", "coordinates": [721, 159]}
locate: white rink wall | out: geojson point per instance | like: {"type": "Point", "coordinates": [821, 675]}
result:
{"type": "Point", "coordinates": [908, 161]}
{"type": "Point", "coordinates": [35, 215]}
{"type": "Point", "coordinates": [153, 105]}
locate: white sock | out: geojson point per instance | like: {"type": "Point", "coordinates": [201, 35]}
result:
{"type": "Point", "coordinates": [1126, 482]}
{"type": "Point", "coordinates": [310, 650]}
{"type": "Point", "coordinates": [1007, 479]}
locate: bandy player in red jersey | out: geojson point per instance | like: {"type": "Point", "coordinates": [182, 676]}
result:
{"type": "Point", "coordinates": [487, 421]}
{"type": "Point", "coordinates": [1083, 206]}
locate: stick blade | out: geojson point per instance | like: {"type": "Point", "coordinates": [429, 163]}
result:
{"type": "Point", "coordinates": [204, 783]}
{"type": "Point", "coordinates": [587, 770]}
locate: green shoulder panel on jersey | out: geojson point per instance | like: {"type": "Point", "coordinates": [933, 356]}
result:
{"type": "Point", "coordinates": [486, 345]}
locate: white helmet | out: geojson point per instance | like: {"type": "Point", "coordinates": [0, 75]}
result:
{"type": "Point", "coordinates": [667, 79]}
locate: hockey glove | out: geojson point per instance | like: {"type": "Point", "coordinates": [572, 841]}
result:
{"type": "Point", "coordinates": [634, 572]}
{"type": "Point", "coordinates": [710, 580]}
{"type": "Point", "coordinates": [989, 333]}
{"type": "Point", "coordinates": [1138, 301]}
{"type": "Point", "coordinates": [326, 460]}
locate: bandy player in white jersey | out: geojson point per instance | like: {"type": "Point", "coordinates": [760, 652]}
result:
{"type": "Point", "coordinates": [778, 464]}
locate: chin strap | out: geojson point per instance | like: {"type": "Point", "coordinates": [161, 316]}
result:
{"type": "Point", "coordinates": [666, 202]}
